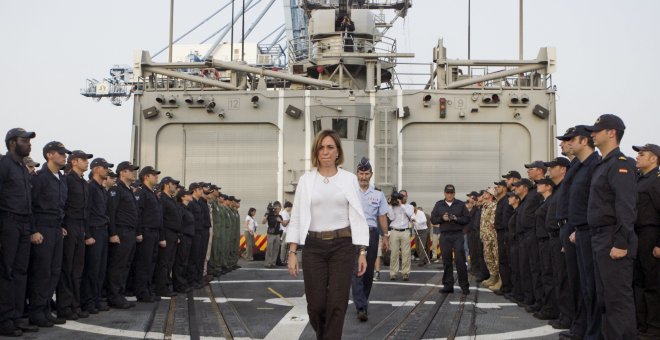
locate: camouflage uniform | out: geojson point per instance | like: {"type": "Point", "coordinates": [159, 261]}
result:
{"type": "Point", "coordinates": [489, 237]}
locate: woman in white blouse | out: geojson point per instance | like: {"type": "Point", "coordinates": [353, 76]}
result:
{"type": "Point", "coordinates": [327, 218]}
{"type": "Point", "coordinates": [250, 229]}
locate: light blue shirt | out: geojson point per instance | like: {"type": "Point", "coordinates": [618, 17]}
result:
{"type": "Point", "coordinates": [374, 204]}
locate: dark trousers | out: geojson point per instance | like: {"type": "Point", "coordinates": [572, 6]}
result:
{"type": "Point", "coordinates": [549, 302]}
{"type": "Point", "coordinates": [453, 242]}
{"type": "Point", "coordinates": [422, 245]}
{"type": "Point", "coordinates": [201, 255]}
{"type": "Point", "coordinates": [145, 262]}
{"type": "Point", "coordinates": [165, 262]}
{"type": "Point", "coordinates": [120, 257]}
{"type": "Point", "coordinates": [579, 321]}
{"type": "Point", "coordinates": [525, 249]}
{"type": "Point", "coordinates": [588, 284]}
{"type": "Point", "coordinates": [180, 279]}
{"type": "Point", "coordinates": [361, 285]}
{"type": "Point", "coordinates": [45, 270]}
{"type": "Point", "coordinates": [328, 268]}
{"type": "Point", "coordinates": [505, 266]}
{"type": "Point", "coordinates": [514, 252]}
{"type": "Point", "coordinates": [14, 262]}
{"type": "Point", "coordinates": [473, 249]}
{"type": "Point", "coordinates": [194, 272]}
{"type": "Point", "coordinates": [96, 264]}
{"type": "Point", "coordinates": [73, 264]}
{"type": "Point", "coordinates": [565, 304]}
{"type": "Point", "coordinates": [647, 280]}
{"type": "Point", "coordinates": [614, 285]}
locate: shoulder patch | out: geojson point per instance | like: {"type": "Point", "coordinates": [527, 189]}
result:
{"type": "Point", "coordinates": [113, 193]}
{"type": "Point", "coordinates": [623, 170]}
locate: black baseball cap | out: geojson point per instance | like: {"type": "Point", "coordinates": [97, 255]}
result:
{"type": "Point", "coordinates": [501, 183]}
{"type": "Point", "coordinates": [546, 180]}
{"type": "Point", "coordinates": [57, 147]}
{"type": "Point", "coordinates": [232, 198]}
{"type": "Point", "coordinates": [101, 162]}
{"type": "Point", "coordinates": [512, 194]}
{"type": "Point", "coordinates": [182, 193]}
{"type": "Point", "coordinates": [536, 164]}
{"type": "Point", "coordinates": [168, 179]}
{"type": "Point", "coordinates": [653, 148]}
{"type": "Point", "coordinates": [607, 121]}
{"type": "Point", "coordinates": [450, 188]}
{"type": "Point", "coordinates": [148, 170]}
{"type": "Point", "coordinates": [525, 181]}
{"type": "Point", "coordinates": [224, 197]}
{"type": "Point", "coordinates": [112, 174]}
{"type": "Point", "coordinates": [126, 165]}
{"type": "Point", "coordinates": [578, 130]}
{"type": "Point", "coordinates": [19, 132]}
{"type": "Point", "coordinates": [195, 185]}
{"type": "Point", "coordinates": [215, 187]}
{"type": "Point", "coordinates": [512, 174]}
{"type": "Point", "coordinates": [364, 164]}
{"type": "Point", "coordinates": [80, 154]}
{"type": "Point", "coordinates": [561, 161]}
{"type": "Point", "coordinates": [473, 194]}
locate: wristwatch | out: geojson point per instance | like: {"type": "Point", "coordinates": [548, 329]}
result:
{"type": "Point", "coordinates": [363, 250]}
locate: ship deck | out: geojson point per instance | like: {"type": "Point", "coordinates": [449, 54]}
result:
{"type": "Point", "coordinates": [257, 303]}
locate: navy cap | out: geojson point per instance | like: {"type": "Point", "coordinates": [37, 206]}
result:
{"type": "Point", "coordinates": [101, 162]}
{"type": "Point", "coordinates": [578, 130]}
{"type": "Point", "coordinates": [148, 170]}
{"type": "Point", "coordinates": [512, 194]}
{"type": "Point", "coordinates": [473, 194]}
{"type": "Point", "coordinates": [525, 181]}
{"type": "Point", "coordinates": [512, 174]}
{"type": "Point", "coordinates": [79, 154]}
{"type": "Point", "coordinates": [136, 185]}
{"type": "Point", "coordinates": [19, 132]}
{"type": "Point", "coordinates": [450, 188]}
{"type": "Point", "coordinates": [224, 197]}
{"type": "Point", "coordinates": [561, 161]}
{"type": "Point", "coordinates": [195, 185]}
{"type": "Point", "coordinates": [168, 179]}
{"type": "Point", "coordinates": [567, 134]}
{"type": "Point", "coordinates": [547, 181]}
{"type": "Point", "coordinates": [364, 164]}
{"type": "Point", "coordinates": [215, 187]}
{"type": "Point", "coordinates": [182, 193]}
{"type": "Point", "coordinates": [57, 147]}
{"type": "Point", "coordinates": [607, 121]}
{"type": "Point", "coordinates": [112, 174]}
{"type": "Point", "coordinates": [126, 165]}
{"type": "Point", "coordinates": [501, 183]}
{"type": "Point", "coordinates": [653, 148]}
{"type": "Point", "coordinates": [28, 161]}
{"type": "Point", "coordinates": [536, 164]}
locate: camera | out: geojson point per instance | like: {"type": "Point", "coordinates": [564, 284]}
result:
{"type": "Point", "coordinates": [395, 197]}
{"type": "Point", "coordinates": [270, 209]}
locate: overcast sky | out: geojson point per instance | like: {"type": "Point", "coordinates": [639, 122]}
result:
{"type": "Point", "coordinates": [608, 54]}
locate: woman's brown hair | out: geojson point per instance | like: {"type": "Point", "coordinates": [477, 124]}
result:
{"type": "Point", "coordinates": [317, 145]}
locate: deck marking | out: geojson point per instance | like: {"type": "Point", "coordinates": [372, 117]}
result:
{"type": "Point", "coordinates": [486, 305]}
{"type": "Point", "coordinates": [293, 323]}
{"type": "Point", "coordinates": [521, 334]}
{"type": "Point", "coordinates": [280, 296]}
{"type": "Point", "coordinates": [375, 282]}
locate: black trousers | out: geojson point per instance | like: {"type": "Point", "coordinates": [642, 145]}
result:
{"type": "Point", "coordinates": [73, 264]}
{"type": "Point", "coordinates": [614, 285]}
{"type": "Point", "coordinates": [45, 270]}
{"type": "Point", "coordinates": [453, 242]}
{"type": "Point", "coordinates": [473, 249]}
{"type": "Point", "coordinates": [165, 262]}
{"type": "Point", "coordinates": [565, 304]}
{"type": "Point", "coordinates": [549, 302]}
{"type": "Point", "coordinates": [328, 267]}
{"type": "Point", "coordinates": [96, 264]}
{"type": "Point", "coordinates": [14, 262]}
{"type": "Point", "coordinates": [119, 263]}
{"type": "Point", "coordinates": [514, 252]}
{"type": "Point", "coordinates": [201, 253]}
{"type": "Point", "coordinates": [180, 278]}
{"type": "Point", "coordinates": [525, 249]}
{"type": "Point", "coordinates": [194, 272]}
{"type": "Point", "coordinates": [579, 321]}
{"type": "Point", "coordinates": [145, 262]}
{"type": "Point", "coordinates": [585, 258]}
{"type": "Point", "coordinates": [361, 286]}
{"type": "Point", "coordinates": [505, 266]}
{"type": "Point", "coordinates": [647, 280]}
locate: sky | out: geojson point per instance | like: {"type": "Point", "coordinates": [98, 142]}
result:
{"type": "Point", "coordinates": [606, 52]}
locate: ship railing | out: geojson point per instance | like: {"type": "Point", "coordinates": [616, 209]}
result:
{"type": "Point", "coordinates": [305, 48]}
{"type": "Point", "coordinates": [412, 75]}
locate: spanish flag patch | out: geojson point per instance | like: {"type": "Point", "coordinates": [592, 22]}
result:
{"type": "Point", "coordinates": [623, 170]}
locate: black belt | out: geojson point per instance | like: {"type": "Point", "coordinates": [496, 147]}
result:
{"type": "Point", "coordinates": [330, 235]}
{"type": "Point", "coordinates": [603, 229]}
{"type": "Point", "coordinates": [399, 229]}
{"type": "Point", "coordinates": [17, 217]}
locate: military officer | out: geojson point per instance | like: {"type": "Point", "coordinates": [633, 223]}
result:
{"type": "Point", "coordinates": [149, 233]}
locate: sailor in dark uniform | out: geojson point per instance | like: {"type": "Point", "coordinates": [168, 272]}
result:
{"type": "Point", "coordinates": [647, 227]}
{"type": "Point", "coordinates": [149, 227]}
{"type": "Point", "coordinates": [49, 194]}
{"type": "Point", "coordinates": [15, 216]}
{"type": "Point", "coordinates": [75, 223]}
{"type": "Point", "coordinates": [170, 233]}
{"type": "Point", "coordinates": [123, 219]}
{"type": "Point", "coordinates": [96, 239]}
{"type": "Point", "coordinates": [611, 215]}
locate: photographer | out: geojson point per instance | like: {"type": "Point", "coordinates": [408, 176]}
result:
{"type": "Point", "coordinates": [346, 25]}
{"type": "Point", "coordinates": [452, 216]}
{"type": "Point", "coordinates": [399, 237]}
{"type": "Point", "coordinates": [274, 220]}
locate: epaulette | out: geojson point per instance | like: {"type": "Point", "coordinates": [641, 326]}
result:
{"type": "Point", "coordinates": [658, 174]}
{"type": "Point", "coordinates": [623, 158]}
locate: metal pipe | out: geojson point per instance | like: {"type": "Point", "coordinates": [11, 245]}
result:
{"type": "Point", "coordinates": [520, 32]}
{"type": "Point", "coordinates": [225, 26]}
{"type": "Point", "coordinates": [257, 20]}
{"type": "Point", "coordinates": [277, 39]}
{"type": "Point", "coordinates": [271, 33]}
{"type": "Point", "coordinates": [243, 33]}
{"type": "Point", "coordinates": [222, 35]}
{"type": "Point", "coordinates": [184, 76]}
{"type": "Point", "coordinates": [496, 75]}
{"type": "Point", "coordinates": [458, 62]}
{"type": "Point", "coordinates": [231, 54]}
{"type": "Point", "coordinates": [171, 29]}
{"type": "Point", "coordinates": [286, 76]}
